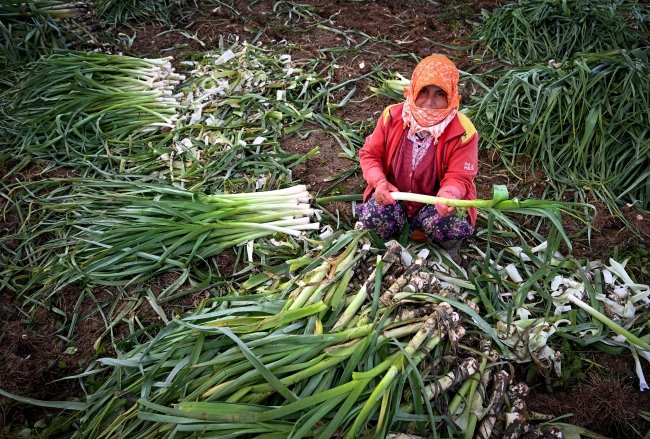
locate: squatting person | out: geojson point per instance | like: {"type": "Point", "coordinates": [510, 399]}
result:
{"type": "Point", "coordinates": [422, 146]}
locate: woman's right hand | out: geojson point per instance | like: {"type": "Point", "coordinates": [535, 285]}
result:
{"type": "Point", "coordinates": [382, 193]}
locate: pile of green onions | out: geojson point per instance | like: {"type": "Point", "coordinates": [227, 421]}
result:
{"type": "Point", "coordinates": [110, 232]}
{"type": "Point", "coordinates": [332, 351]}
{"type": "Point", "coordinates": [75, 106]}
{"type": "Point", "coordinates": [349, 341]}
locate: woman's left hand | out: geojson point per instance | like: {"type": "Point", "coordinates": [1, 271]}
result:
{"type": "Point", "coordinates": [443, 209]}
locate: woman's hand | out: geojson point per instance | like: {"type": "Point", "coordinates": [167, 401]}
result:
{"type": "Point", "coordinates": [443, 209]}
{"type": "Point", "coordinates": [382, 193]}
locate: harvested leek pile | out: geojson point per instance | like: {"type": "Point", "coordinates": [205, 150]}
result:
{"type": "Point", "coordinates": [532, 31]}
{"type": "Point", "coordinates": [584, 123]}
{"type": "Point", "coordinates": [119, 114]}
{"type": "Point", "coordinates": [341, 349]}
{"type": "Point", "coordinates": [241, 102]}
{"type": "Point", "coordinates": [534, 294]}
{"type": "Point", "coordinates": [110, 232]}
{"type": "Point", "coordinates": [350, 342]}
{"type": "Point", "coordinates": [33, 29]}
{"type": "Point", "coordinates": [74, 107]}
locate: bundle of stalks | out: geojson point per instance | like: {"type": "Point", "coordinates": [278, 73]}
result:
{"type": "Point", "coordinates": [36, 28]}
{"type": "Point", "coordinates": [316, 354]}
{"type": "Point", "coordinates": [75, 107]}
{"type": "Point", "coordinates": [112, 232]}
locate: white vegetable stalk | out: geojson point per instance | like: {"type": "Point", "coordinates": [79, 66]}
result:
{"type": "Point", "coordinates": [513, 273]}
{"type": "Point", "coordinates": [631, 338]}
{"type": "Point", "coordinates": [643, 385]}
{"type": "Point", "coordinates": [299, 190]}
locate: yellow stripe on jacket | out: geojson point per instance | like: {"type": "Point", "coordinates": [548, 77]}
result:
{"type": "Point", "coordinates": [467, 125]}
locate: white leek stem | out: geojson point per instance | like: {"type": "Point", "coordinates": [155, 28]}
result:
{"type": "Point", "coordinates": [287, 191]}
{"type": "Point", "coordinates": [608, 322]}
{"type": "Point", "coordinates": [643, 385]}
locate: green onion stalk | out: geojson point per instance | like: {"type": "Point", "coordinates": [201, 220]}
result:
{"type": "Point", "coordinates": [500, 383]}
{"type": "Point", "coordinates": [618, 329]}
{"type": "Point", "coordinates": [502, 203]}
{"type": "Point", "coordinates": [390, 257]}
{"type": "Point", "coordinates": [474, 399]}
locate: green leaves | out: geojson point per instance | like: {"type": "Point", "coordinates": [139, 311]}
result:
{"type": "Point", "coordinates": [90, 107]}
{"type": "Point", "coordinates": [121, 232]}
{"type": "Point", "coordinates": [32, 29]}
{"type": "Point", "coordinates": [584, 123]}
{"type": "Point", "coordinates": [120, 12]}
{"type": "Point", "coordinates": [532, 31]}
{"type": "Point", "coordinates": [64, 405]}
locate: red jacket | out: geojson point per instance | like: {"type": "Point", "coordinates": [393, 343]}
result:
{"type": "Point", "coordinates": [456, 154]}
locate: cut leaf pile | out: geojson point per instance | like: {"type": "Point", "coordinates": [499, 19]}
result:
{"type": "Point", "coordinates": [527, 32]}
{"type": "Point", "coordinates": [585, 124]}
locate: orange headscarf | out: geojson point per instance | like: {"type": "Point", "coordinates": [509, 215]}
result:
{"type": "Point", "coordinates": [433, 70]}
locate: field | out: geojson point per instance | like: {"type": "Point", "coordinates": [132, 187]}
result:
{"type": "Point", "coordinates": [353, 47]}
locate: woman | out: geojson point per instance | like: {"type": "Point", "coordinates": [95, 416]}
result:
{"type": "Point", "coordinates": [422, 146]}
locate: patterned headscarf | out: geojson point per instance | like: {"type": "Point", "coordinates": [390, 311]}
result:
{"type": "Point", "coordinates": [433, 70]}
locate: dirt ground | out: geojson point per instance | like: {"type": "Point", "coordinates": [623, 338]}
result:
{"type": "Point", "coordinates": [34, 356]}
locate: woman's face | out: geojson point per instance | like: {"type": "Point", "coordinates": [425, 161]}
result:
{"type": "Point", "coordinates": [431, 97]}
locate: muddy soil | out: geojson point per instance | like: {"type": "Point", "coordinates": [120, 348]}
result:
{"type": "Point", "coordinates": [33, 355]}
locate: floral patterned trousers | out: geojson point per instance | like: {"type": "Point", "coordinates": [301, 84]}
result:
{"type": "Point", "coordinates": [390, 219]}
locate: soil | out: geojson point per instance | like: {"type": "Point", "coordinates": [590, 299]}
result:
{"type": "Point", "coordinates": [34, 355]}
{"type": "Point", "coordinates": [607, 401]}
